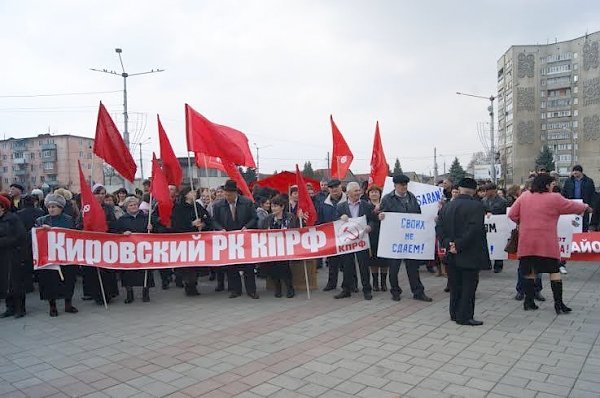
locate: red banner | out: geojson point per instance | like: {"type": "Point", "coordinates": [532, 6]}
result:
{"type": "Point", "coordinates": [207, 249]}
{"type": "Point", "coordinates": [585, 247]}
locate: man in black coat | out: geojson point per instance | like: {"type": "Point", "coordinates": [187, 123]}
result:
{"type": "Point", "coordinates": [354, 207]}
{"type": "Point", "coordinates": [327, 212]}
{"type": "Point", "coordinates": [400, 200]}
{"type": "Point", "coordinates": [495, 205]}
{"type": "Point", "coordinates": [580, 186]}
{"type": "Point", "coordinates": [236, 213]}
{"type": "Point", "coordinates": [461, 226]}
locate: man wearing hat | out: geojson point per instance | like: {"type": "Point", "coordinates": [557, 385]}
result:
{"type": "Point", "coordinates": [461, 226]}
{"type": "Point", "coordinates": [15, 192]}
{"type": "Point", "coordinates": [327, 212]}
{"type": "Point", "coordinates": [400, 200]}
{"type": "Point", "coordinates": [236, 213]}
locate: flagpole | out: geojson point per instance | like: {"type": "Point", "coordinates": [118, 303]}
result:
{"type": "Point", "coordinates": [191, 175]}
{"type": "Point", "coordinates": [102, 288]}
{"type": "Point", "coordinates": [207, 176]}
{"type": "Point", "coordinates": [148, 229]}
{"type": "Point", "coordinates": [305, 270]}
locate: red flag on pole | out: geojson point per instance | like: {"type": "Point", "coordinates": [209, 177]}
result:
{"type": "Point", "coordinates": [305, 202]}
{"type": "Point", "coordinates": [92, 212]}
{"type": "Point", "coordinates": [233, 173]}
{"type": "Point", "coordinates": [342, 156]}
{"type": "Point", "coordinates": [208, 162]}
{"type": "Point", "coordinates": [209, 138]}
{"type": "Point", "coordinates": [170, 164]}
{"type": "Point", "coordinates": [159, 189]}
{"type": "Point", "coordinates": [379, 166]}
{"type": "Point", "coordinates": [109, 145]}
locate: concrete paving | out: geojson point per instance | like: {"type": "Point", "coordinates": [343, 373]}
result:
{"type": "Point", "coordinates": [213, 346]}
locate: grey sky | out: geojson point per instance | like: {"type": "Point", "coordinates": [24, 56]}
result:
{"type": "Point", "coordinates": [275, 69]}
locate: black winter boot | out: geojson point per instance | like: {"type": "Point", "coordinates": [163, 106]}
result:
{"type": "Point", "coordinates": [145, 294]}
{"type": "Point", "coordinates": [529, 288]}
{"type": "Point", "coordinates": [69, 307]}
{"type": "Point", "coordinates": [277, 287]}
{"type": "Point", "coordinates": [375, 282]}
{"type": "Point", "coordinates": [53, 310]}
{"type": "Point", "coordinates": [383, 282]}
{"type": "Point", "coordinates": [557, 292]}
{"type": "Point", "coordinates": [129, 298]}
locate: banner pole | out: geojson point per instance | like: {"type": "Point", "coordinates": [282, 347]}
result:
{"type": "Point", "coordinates": [102, 288]}
{"type": "Point", "coordinates": [148, 228]}
{"type": "Point", "coordinates": [191, 175]}
{"type": "Point", "coordinates": [305, 271]}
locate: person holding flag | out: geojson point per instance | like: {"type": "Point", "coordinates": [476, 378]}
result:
{"type": "Point", "coordinates": [187, 219]}
{"type": "Point", "coordinates": [280, 219]}
{"type": "Point", "coordinates": [132, 221]}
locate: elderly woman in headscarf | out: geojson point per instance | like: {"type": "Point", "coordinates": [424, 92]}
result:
{"type": "Point", "coordinates": [135, 220]}
{"type": "Point", "coordinates": [91, 282]}
{"type": "Point", "coordinates": [12, 237]}
{"type": "Point", "coordinates": [54, 284]}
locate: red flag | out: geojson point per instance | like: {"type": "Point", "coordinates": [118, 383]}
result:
{"type": "Point", "coordinates": [233, 173]}
{"type": "Point", "coordinates": [305, 202]}
{"type": "Point", "coordinates": [170, 164]}
{"type": "Point", "coordinates": [208, 162]}
{"type": "Point", "coordinates": [342, 156]}
{"type": "Point", "coordinates": [379, 166]}
{"type": "Point", "coordinates": [92, 212]}
{"type": "Point", "coordinates": [109, 145]}
{"type": "Point", "coordinates": [212, 139]}
{"type": "Point", "coordinates": [159, 189]}
{"type": "Point", "coordinates": [282, 181]}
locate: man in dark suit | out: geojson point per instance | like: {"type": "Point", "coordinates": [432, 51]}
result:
{"type": "Point", "coordinates": [461, 226]}
{"type": "Point", "coordinates": [354, 207]}
{"type": "Point", "coordinates": [236, 213]}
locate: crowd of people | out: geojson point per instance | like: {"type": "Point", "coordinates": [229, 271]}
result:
{"type": "Point", "coordinates": [460, 233]}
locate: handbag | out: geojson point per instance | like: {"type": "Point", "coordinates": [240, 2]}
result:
{"type": "Point", "coordinates": [513, 243]}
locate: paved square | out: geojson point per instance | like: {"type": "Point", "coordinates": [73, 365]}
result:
{"type": "Point", "coordinates": [213, 346]}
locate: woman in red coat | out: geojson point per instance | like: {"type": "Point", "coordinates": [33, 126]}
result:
{"type": "Point", "coordinates": [537, 212]}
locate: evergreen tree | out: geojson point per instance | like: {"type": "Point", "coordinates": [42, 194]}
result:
{"type": "Point", "coordinates": [457, 172]}
{"type": "Point", "coordinates": [308, 170]}
{"type": "Point", "coordinates": [545, 159]}
{"type": "Point", "coordinates": [249, 174]}
{"type": "Point", "coordinates": [397, 167]}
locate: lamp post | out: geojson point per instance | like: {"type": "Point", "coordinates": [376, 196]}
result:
{"type": "Point", "coordinates": [492, 154]}
{"type": "Point", "coordinates": [125, 75]}
{"type": "Point", "coordinates": [258, 158]}
{"type": "Point", "coordinates": [147, 141]}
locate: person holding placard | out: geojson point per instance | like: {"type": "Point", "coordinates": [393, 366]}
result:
{"type": "Point", "coordinates": [461, 227]}
{"type": "Point", "coordinates": [400, 200]}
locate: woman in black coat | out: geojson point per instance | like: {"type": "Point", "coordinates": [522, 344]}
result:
{"type": "Point", "coordinates": [54, 284]}
{"type": "Point", "coordinates": [91, 275]}
{"type": "Point", "coordinates": [12, 237]}
{"type": "Point", "coordinates": [280, 219]}
{"type": "Point", "coordinates": [184, 220]}
{"type": "Point", "coordinates": [379, 267]}
{"type": "Point", "coordinates": [135, 220]}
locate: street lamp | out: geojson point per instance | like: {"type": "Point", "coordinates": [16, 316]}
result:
{"type": "Point", "coordinates": [125, 75]}
{"type": "Point", "coordinates": [258, 158]}
{"type": "Point", "coordinates": [147, 141]}
{"type": "Point", "coordinates": [491, 98]}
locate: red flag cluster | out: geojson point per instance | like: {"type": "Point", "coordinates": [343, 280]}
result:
{"type": "Point", "coordinates": [92, 212]}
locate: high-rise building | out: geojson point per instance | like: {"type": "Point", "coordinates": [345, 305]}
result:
{"type": "Point", "coordinates": [48, 161]}
{"type": "Point", "coordinates": [550, 95]}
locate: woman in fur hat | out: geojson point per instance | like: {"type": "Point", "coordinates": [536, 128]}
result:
{"type": "Point", "coordinates": [55, 285]}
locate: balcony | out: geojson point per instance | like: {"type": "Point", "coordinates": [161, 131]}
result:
{"type": "Point", "coordinates": [21, 172]}
{"type": "Point", "coordinates": [51, 180]}
{"type": "Point", "coordinates": [19, 161]}
{"type": "Point", "coordinates": [48, 147]}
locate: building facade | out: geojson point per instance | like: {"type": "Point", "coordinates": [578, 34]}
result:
{"type": "Point", "coordinates": [48, 161]}
{"type": "Point", "coordinates": [549, 95]}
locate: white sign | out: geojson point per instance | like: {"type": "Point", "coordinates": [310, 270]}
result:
{"type": "Point", "coordinates": [567, 226]}
{"type": "Point", "coordinates": [407, 236]}
{"type": "Point", "coordinates": [428, 196]}
{"type": "Point", "coordinates": [498, 229]}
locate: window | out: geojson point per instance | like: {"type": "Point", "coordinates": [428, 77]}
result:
{"type": "Point", "coordinates": [42, 178]}
{"type": "Point", "coordinates": [558, 114]}
{"type": "Point", "coordinates": [564, 147]}
{"type": "Point", "coordinates": [48, 165]}
{"type": "Point", "coordinates": [543, 104]}
{"type": "Point", "coordinates": [80, 155]}
{"type": "Point", "coordinates": [575, 78]}
{"type": "Point", "coordinates": [5, 169]}
{"type": "Point", "coordinates": [89, 166]}
{"type": "Point", "coordinates": [89, 155]}
{"type": "Point", "coordinates": [575, 112]}
{"type": "Point", "coordinates": [32, 155]}
{"type": "Point", "coordinates": [575, 100]}
{"type": "Point", "coordinates": [33, 179]}
{"type": "Point", "coordinates": [46, 154]}
{"type": "Point", "coordinates": [18, 155]}
{"type": "Point", "coordinates": [575, 89]}
{"type": "Point", "coordinates": [564, 158]}
{"type": "Point", "coordinates": [6, 180]}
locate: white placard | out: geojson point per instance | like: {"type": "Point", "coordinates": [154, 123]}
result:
{"type": "Point", "coordinates": [407, 236]}
{"type": "Point", "coordinates": [428, 196]}
{"type": "Point", "coordinates": [498, 228]}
